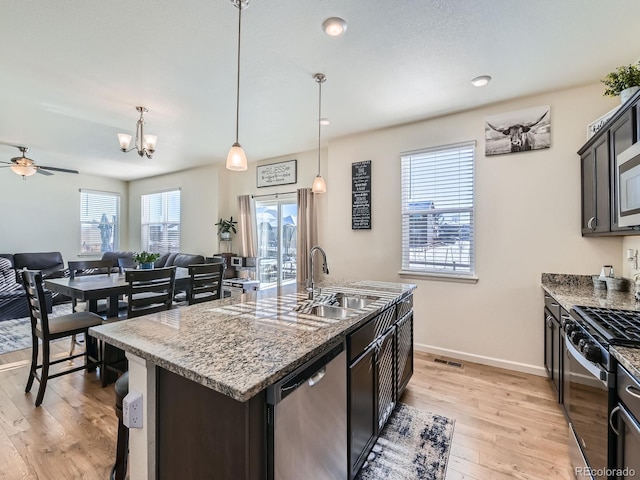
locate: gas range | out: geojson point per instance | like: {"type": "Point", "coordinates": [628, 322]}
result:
{"type": "Point", "coordinates": [611, 326]}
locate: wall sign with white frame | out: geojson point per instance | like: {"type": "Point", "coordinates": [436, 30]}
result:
{"type": "Point", "coordinates": [361, 195]}
{"type": "Point", "coordinates": [282, 173]}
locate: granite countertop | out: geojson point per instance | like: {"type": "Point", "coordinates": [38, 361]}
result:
{"type": "Point", "coordinates": [574, 290]}
{"type": "Point", "coordinates": [239, 346]}
{"type": "Point", "coordinates": [629, 358]}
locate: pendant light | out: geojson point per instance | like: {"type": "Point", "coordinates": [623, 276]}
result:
{"type": "Point", "coordinates": [237, 159]}
{"type": "Point", "coordinates": [319, 185]}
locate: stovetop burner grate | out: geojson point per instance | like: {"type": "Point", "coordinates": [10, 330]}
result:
{"type": "Point", "coordinates": [617, 326]}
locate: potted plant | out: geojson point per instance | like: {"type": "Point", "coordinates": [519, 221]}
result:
{"type": "Point", "coordinates": [225, 227]}
{"type": "Point", "coordinates": [145, 259]}
{"type": "Point", "coordinates": [624, 81]}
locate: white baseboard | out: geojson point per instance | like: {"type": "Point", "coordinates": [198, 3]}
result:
{"type": "Point", "coordinates": [483, 360]}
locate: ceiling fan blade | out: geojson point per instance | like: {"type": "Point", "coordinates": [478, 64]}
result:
{"type": "Point", "coordinates": [55, 169]}
{"type": "Point", "coordinates": [8, 163]}
{"type": "Point", "coordinates": [43, 172]}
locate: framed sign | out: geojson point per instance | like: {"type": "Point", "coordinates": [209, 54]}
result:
{"type": "Point", "coordinates": [361, 195]}
{"type": "Point", "coordinates": [282, 173]}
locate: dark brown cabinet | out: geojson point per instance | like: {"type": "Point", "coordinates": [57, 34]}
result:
{"type": "Point", "coordinates": [380, 355]}
{"type": "Point", "coordinates": [598, 171]}
{"type": "Point", "coordinates": [553, 342]}
{"type": "Point", "coordinates": [404, 349]}
{"type": "Point", "coordinates": [362, 418]}
{"type": "Point", "coordinates": [596, 216]}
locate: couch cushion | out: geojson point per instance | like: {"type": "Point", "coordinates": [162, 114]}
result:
{"type": "Point", "coordinates": [185, 259]}
{"type": "Point", "coordinates": [114, 256]}
{"type": "Point", "coordinates": [43, 261]}
{"type": "Point", "coordinates": [7, 276]}
{"type": "Point", "coordinates": [162, 261]}
{"type": "Point", "coordinates": [8, 256]}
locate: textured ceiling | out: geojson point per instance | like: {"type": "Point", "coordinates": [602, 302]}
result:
{"type": "Point", "coordinates": [73, 71]}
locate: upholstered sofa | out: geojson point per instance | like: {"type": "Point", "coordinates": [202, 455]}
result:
{"type": "Point", "coordinates": [13, 299]}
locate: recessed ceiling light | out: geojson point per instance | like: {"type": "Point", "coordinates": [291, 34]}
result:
{"type": "Point", "coordinates": [481, 81]}
{"type": "Point", "coordinates": [324, 121]}
{"type": "Point", "coordinates": [334, 26]}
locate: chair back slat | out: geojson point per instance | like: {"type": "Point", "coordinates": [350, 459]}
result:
{"type": "Point", "coordinates": [205, 283]}
{"type": "Point", "coordinates": [150, 291]}
{"type": "Point", "coordinates": [89, 267]}
{"type": "Point", "coordinates": [32, 281]}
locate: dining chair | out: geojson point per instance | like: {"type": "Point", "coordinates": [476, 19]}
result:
{"type": "Point", "coordinates": [82, 268]}
{"type": "Point", "coordinates": [47, 329]}
{"type": "Point", "coordinates": [205, 283]}
{"type": "Point", "coordinates": [148, 291]}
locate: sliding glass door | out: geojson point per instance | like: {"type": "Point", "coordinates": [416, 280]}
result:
{"type": "Point", "coordinates": [276, 221]}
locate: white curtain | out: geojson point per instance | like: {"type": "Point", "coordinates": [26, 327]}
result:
{"type": "Point", "coordinates": [248, 236]}
{"type": "Point", "coordinates": [307, 231]}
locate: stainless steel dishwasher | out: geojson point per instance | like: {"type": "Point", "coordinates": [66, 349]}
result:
{"type": "Point", "coordinates": [307, 420]}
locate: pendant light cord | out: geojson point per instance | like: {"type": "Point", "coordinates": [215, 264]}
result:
{"type": "Point", "coordinates": [319, 118]}
{"type": "Point", "coordinates": [239, 5]}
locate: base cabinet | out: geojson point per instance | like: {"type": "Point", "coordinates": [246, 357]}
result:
{"type": "Point", "coordinates": [404, 349]}
{"type": "Point", "coordinates": [380, 367]}
{"type": "Point", "coordinates": [625, 418]}
{"type": "Point", "coordinates": [363, 429]}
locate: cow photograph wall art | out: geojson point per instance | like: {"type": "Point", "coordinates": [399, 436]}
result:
{"type": "Point", "coordinates": [518, 131]}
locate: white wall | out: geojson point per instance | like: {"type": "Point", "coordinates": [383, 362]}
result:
{"type": "Point", "coordinates": [42, 214]}
{"type": "Point", "coordinates": [199, 197]}
{"type": "Point", "coordinates": [527, 222]}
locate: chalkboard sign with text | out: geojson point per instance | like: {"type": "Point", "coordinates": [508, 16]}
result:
{"type": "Point", "coordinates": [361, 195]}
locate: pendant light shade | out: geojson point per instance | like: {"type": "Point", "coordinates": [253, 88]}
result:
{"type": "Point", "coordinates": [319, 185]}
{"type": "Point", "coordinates": [236, 158]}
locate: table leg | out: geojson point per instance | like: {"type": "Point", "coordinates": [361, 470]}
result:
{"type": "Point", "coordinates": [112, 306]}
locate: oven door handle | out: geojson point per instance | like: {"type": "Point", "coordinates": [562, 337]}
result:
{"type": "Point", "coordinates": [613, 412]}
{"type": "Point", "coordinates": [593, 369]}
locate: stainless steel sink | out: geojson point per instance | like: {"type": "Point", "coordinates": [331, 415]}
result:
{"type": "Point", "coordinates": [347, 301]}
{"type": "Point", "coordinates": [329, 311]}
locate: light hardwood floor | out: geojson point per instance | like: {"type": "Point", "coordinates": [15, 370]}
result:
{"type": "Point", "coordinates": [508, 424]}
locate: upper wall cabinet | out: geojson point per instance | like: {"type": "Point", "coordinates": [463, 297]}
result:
{"type": "Point", "coordinates": [598, 167]}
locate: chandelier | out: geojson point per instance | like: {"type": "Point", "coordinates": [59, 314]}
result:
{"type": "Point", "coordinates": [145, 144]}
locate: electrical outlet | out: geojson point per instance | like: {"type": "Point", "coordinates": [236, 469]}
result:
{"type": "Point", "coordinates": [132, 410]}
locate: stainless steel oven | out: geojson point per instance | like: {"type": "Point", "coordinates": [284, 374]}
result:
{"type": "Point", "coordinates": [587, 405]}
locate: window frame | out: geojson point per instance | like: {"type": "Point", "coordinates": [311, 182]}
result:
{"type": "Point", "coordinates": [405, 214]}
{"type": "Point", "coordinates": [117, 226]}
{"type": "Point", "coordinates": [165, 222]}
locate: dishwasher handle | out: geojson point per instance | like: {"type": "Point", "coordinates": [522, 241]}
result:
{"type": "Point", "coordinates": [311, 373]}
{"type": "Point", "coordinates": [319, 375]}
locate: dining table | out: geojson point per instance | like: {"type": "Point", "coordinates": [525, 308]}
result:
{"type": "Point", "coordinates": [91, 288]}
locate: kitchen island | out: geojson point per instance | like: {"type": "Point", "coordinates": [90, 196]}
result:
{"type": "Point", "coordinates": [203, 372]}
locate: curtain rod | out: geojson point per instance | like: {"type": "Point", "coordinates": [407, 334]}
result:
{"type": "Point", "coordinates": [273, 194]}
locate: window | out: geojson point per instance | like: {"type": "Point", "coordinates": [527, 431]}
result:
{"type": "Point", "coordinates": [161, 222]}
{"type": "Point", "coordinates": [99, 222]}
{"type": "Point", "coordinates": [437, 211]}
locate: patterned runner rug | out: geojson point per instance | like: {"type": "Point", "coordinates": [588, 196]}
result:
{"type": "Point", "coordinates": [413, 445]}
{"type": "Point", "coordinates": [16, 334]}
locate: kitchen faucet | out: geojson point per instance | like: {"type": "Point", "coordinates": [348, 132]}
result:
{"type": "Point", "coordinates": [325, 268]}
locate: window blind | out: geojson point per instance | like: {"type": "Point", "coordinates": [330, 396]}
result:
{"type": "Point", "coordinates": [99, 222]}
{"type": "Point", "coordinates": [438, 210]}
{"type": "Point", "coordinates": [160, 222]}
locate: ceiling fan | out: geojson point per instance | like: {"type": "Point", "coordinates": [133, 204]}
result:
{"type": "Point", "coordinates": [26, 167]}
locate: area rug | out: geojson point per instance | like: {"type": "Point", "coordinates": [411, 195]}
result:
{"type": "Point", "coordinates": [413, 445]}
{"type": "Point", "coordinates": [16, 334]}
